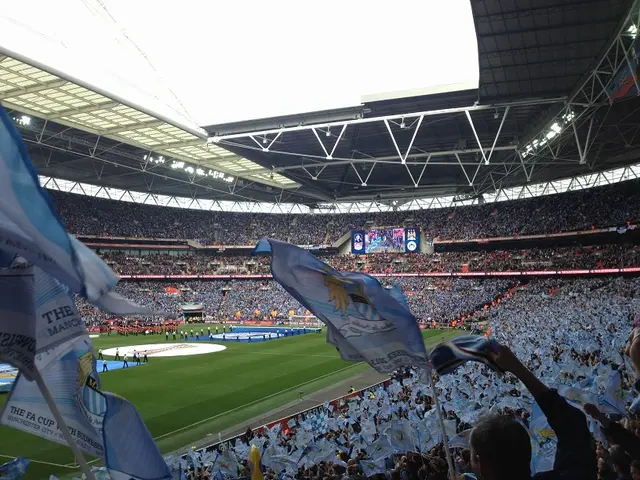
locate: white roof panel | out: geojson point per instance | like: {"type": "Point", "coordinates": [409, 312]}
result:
{"type": "Point", "coordinates": [32, 90]}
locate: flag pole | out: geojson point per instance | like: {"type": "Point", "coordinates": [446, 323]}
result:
{"type": "Point", "coordinates": [452, 470]}
{"type": "Point", "coordinates": [62, 425]}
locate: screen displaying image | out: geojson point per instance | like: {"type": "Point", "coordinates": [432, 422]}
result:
{"type": "Point", "coordinates": [384, 240]}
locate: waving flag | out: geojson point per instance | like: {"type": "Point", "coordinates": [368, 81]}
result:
{"type": "Point", "coordinates": [130, 452]}
{"type": "Point", "coordinates": [372, 467]}
{"type": "Point", "coordinates": [461, 440]}
{"type": "Point", "coordinates": [612, 401]}
{"type": "Point", "coordinates": [365, 321]}
{"type": "Point", "coordinates": [400, 437]}
{"type": "Point", "coordinates": [17, 319]}
{"type": "Point", "coordinates": [544, 441]}
{"type": "Point", "coordinates": [14, 469]}
{"type": "Point", "coordinates": [31, 228]}
{"type": "Point", "coordinates": [448, 356]}
{"type": "Point", "coordinates": [25, 409]}
{"type": "Point", "coordinates": [102, 424]}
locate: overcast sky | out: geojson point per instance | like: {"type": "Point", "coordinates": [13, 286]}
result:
{"type": "Point", "coordinates": [214, 61]}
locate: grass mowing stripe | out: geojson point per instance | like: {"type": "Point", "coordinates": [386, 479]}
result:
{"type": "Point", "coordinates": [430, 341]}
{"type": "Point", "coordinates": [257, 401]}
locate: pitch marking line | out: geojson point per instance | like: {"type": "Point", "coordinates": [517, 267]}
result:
{"type": "Point", "coordinates": [255, 401]}
{"type": "Point", "coordinates": [38, 461]}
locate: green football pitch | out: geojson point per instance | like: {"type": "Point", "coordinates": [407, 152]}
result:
{"type": "Point", "coordinates": [186, 399]}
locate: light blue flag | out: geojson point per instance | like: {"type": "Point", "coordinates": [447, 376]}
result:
{"type": "Point", "coordinates": [372, 467]}
{"type": "Point", "coordinates": [366, 321]}
{"type": "Point", "coordinates": [37, 313]}
{"type": "Point", "coordinates": [17, 318]}
{"type": "Point", "coordinates": [14, 469]}
{"type": "Point", "coordinates": [612, 401]}
{"type": "Point", "coordinates": [545, 441]}
{"type": "Point", "coordinates": [461, 440]}
{"type": "Point", "coordinates": [380, 449]}
{"type": "Point", "coordinates": [400, 437]}
{"type": "Point", "coordinates": [130, 452]}
{"type": "Point", "coordinates": [102, 424]}
{"type": "Point", "coordinates": [31, 228]}
{"type": "Point", "coordinates": [75, 390]}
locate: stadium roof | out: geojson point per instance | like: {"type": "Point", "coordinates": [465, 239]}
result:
{"type": "Point", "coordinates": [544, 73]}
{"type": "Point", "coordinates": [542, 112]}
{"type": "Point", "coordinates": [60, 100]}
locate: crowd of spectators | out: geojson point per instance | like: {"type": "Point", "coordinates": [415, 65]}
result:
{"type": "Point", "coordinates": [600, 207]}
{"type": "Point", "coordinates": [565, 258]}
{"type": "Point", "coordinates": [563, 344]}
{"type": "Point", "coordinates": [440, 300]}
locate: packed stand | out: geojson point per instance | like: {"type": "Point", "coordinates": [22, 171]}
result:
{"type": "Point", "coordinates": [608, 206]}
{"type": "Point", "coordinates": [565, 258]}
{"type": "Point", "coordinates": [239, 301]}
{"type": "Point", "coordinates": [563, 344]}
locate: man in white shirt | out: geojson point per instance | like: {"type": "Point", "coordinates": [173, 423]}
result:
{"type": "Point", "coordinates": [126, 361]}
{"type": "Point", "coordinates": [100, 357]}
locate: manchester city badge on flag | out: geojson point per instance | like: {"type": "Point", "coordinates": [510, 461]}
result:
{"type": "Point", "coordinates": [364, 320]}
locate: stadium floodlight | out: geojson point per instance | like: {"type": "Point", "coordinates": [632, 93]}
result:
{"type": "Point", "coordinates": [199, 171]}
{"type": "Point", "coordinates": [554, 130]}
{"type": "Point", "coordinates": [633, 30]}
{"type": "Point", "coordinates": [176, 165]}
{"type": "Point", "coordinates": [24, 120]}
{"type": "Point", "coordinates": [189, 169]}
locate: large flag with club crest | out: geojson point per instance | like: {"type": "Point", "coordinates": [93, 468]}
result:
{"type": "Point", "coordinates": [31, 228]}
{"type": "Point", "coordinates": [42, 334]}
{"type": "Point", "coordinates": [365, 321]}
{"type": "Point", "coordinates": [103, 425]}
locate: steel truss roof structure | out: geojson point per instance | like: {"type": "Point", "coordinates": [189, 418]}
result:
{"type": "Point", "coordinates": [280, 205]}
{"type": "Point", "coordinates": [478, 142]}
{"type": "Point", "coordinates": [37, 90]}
{"type": "Point", "coordinates": [543, 112]}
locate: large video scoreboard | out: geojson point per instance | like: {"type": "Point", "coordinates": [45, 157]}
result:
{"type": "Point", "coordinates": [380, 240]}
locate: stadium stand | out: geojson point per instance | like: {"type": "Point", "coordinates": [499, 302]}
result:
{"type": "Point", "coordinates": [439, 300]}
{"type": "Point", "coordinates": [608, 206]}
{"type": "Point", "coordinates": [579, 257]}
{"type": "Point", "coordinates": [566, 332]}
{"type": "Point", "coordinates": [557, 98]}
